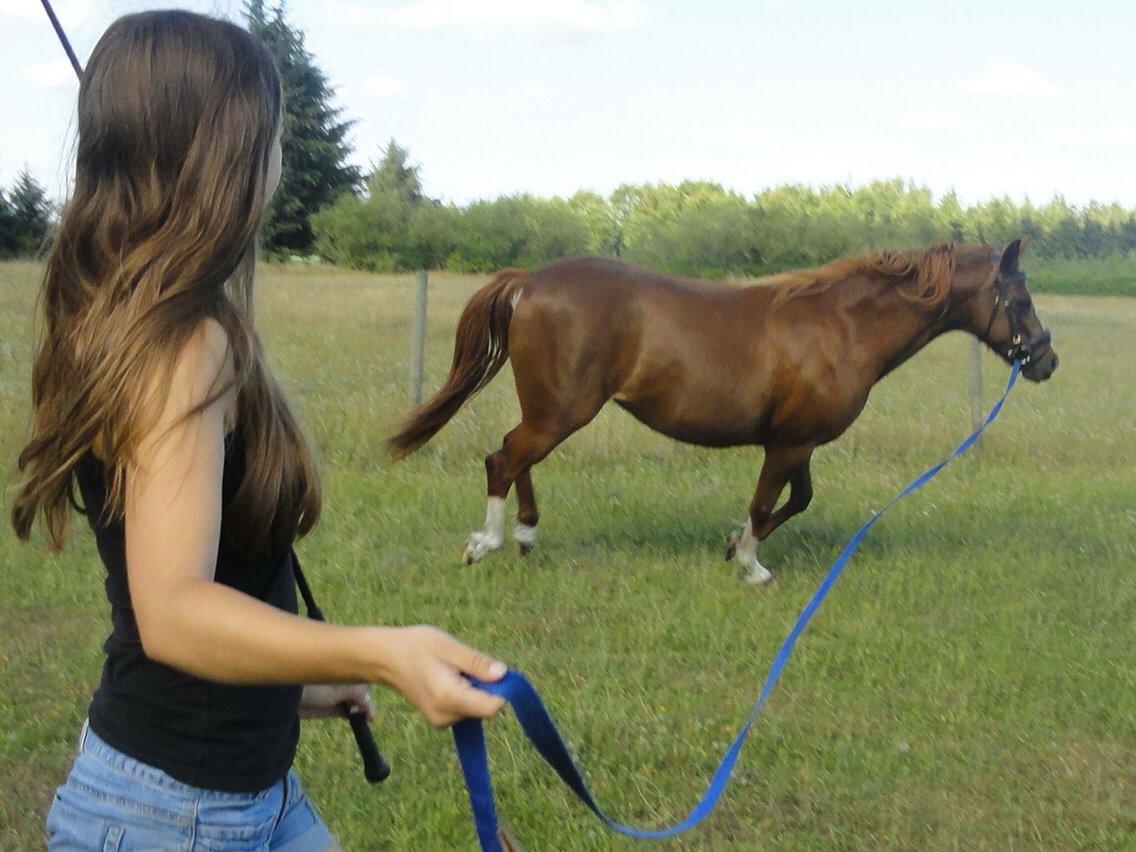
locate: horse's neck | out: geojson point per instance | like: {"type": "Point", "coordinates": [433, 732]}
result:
{"type": "Point", "coordinates": [893, 329]}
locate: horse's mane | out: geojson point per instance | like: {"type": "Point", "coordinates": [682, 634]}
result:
{"type": "Point", "coordinates": [922, 276]}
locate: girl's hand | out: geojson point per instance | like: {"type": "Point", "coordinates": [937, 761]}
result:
{"type": "Point", "coordinates": [426, 666]}
{"type": "Point", "coordinates": [321, 701]}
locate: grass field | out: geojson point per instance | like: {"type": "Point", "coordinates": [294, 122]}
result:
{"type": "Point", "coordinates": [970, 683]}
{"type": "Point", "coordinates": [1115, 276]}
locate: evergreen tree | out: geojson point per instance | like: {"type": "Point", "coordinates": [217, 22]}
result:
{"type": "Point", "coordinates": [393, 226]}
{"type": "Point", "coordinates": [8, 229]}
{"type": "Point", "coordinates": [314, 139]}
{"type": "Point", "coordinates": [395, 175]}
{"type": "Point", "coordinates": [31, 213]}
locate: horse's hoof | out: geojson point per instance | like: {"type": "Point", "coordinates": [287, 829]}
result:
{"type": "Point", "coordinates": [478, 547]}
{"type": "Point", "coordinates": [759, 582]}
{"type": "Point", "coordinates": [525, 537]}
{"type": "Point", "coordinates": [732, 544]}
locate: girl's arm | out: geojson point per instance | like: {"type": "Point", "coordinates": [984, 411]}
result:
{"type": "Point", "coordinates": [188, 621]}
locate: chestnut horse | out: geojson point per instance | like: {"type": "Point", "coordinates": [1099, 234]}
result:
{"type": "Point", "coordinates": [787, 362]}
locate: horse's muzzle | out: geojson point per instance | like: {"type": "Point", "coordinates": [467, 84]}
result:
{"type": "Point", "coordinates": [1040, 359]}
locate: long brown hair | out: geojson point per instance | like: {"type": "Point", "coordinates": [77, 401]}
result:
{"type": "Point", "coordinates": [177, 116]}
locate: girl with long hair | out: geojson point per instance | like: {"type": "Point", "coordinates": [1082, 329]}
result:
{"type": "Point", "coordinates": [156, 417]}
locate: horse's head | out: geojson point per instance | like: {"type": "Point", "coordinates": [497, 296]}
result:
{"type": "Point", "coordinates": [1011, 326]}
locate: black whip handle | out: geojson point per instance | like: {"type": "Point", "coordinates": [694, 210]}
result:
{"type": "Point", "coordinates": [375, 766]}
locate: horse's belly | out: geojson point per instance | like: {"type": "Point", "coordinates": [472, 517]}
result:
{"type": "Point", "coordinates": [709, 427]}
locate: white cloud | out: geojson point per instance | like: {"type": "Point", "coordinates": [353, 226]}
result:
{"type": "Point", "coordinates": [1115, 135]}
{"type": "Point", "coordinates": [20, 9]}
{"type": "Point", "coordinates": [532, 91]}
{"type": "Point", "coordinates": [51, 75]}
{"type": "Point", "coordinates": [577, 15]}
{"type": "Point", "coordinates": [561, 17]}
{"type": "Point", "coordinates": [383, 87]}
{"type": "Point", "coordinates": [933, 121]}
{"type": "Point", "coordinates": [1014, 80]}
{"type": "Point", "coordinates": [70, 12]}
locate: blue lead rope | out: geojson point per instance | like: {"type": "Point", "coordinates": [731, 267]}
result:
{"type": "Point", "coordinates": [533, 716]}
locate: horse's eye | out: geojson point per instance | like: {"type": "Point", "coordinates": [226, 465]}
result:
{"type": "Point", "coordinates": [1021, 305]}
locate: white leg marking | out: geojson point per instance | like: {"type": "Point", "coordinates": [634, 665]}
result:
{"type": "Point", "coordinates": [746, 556]}
{"type": "Point", "coordinates": [491, 537]}
{"type": "Point", "coordinates": [525, 536]}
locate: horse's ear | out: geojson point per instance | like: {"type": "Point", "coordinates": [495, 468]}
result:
{"type": "Point", "coordinates": [1011, 256]}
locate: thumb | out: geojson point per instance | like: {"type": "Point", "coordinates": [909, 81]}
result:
{"type": "Point", "coordinates": [470, 661]}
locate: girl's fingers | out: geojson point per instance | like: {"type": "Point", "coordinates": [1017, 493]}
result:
{"type": "Point", "coordinates": [366, 706]}
{"type": "Point", "coordinates": [472, 702]}
{"type": "Point", "coordinates": [471, 661]}
{"type": "Point", "coordinates": [361, 702]}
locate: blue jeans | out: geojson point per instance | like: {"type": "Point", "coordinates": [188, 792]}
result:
{"type": "Point", "coordinates": [112, 802]}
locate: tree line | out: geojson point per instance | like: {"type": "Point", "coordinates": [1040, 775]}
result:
{"type": "Point", "coordinates": [384, 221]}
{"type": "Point", "coordinates": [694, 228]}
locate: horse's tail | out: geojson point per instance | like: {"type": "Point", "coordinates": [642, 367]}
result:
{"type": "Point", "coordinates": [481, 348]}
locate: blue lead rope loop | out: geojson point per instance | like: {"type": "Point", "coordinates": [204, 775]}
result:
{"type": "Point", "coordinates": [536, 722]}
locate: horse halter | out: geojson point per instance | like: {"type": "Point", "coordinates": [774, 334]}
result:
{"type": "Point", "coordinates": [1022, 348]}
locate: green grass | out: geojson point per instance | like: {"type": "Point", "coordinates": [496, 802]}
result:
{"type": "Point", "coordinates": [970, 682]}
{"type": "Point", "coordinates": [1115, 276]}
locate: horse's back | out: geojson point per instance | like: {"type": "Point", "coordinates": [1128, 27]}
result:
{"type": "Point", "coordinates": [576, 315]}
{"type": "Point", "coordinates": [683, 356]}
{"type": "Point", "coordinates": [581, 275]}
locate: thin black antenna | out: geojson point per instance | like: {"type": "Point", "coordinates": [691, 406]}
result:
{"type": "Point", "coordinates": [63, 38]}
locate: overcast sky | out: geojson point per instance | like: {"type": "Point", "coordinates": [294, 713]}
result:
{"type": "Point", "coordinates": [550, 96]}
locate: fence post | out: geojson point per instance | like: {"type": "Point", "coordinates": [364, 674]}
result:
{"type": "Point", "coordinates": [975, 382]}
{"type": "Point", "coordinates": [418, 340]}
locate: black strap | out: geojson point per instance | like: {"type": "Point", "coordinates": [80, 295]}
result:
{"type": "Point", "coordinates": [375, 766]}
{"type": "Point", "coordinates": [314, 612]}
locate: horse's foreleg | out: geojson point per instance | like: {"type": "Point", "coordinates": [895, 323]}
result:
{"type": "Point", "coordinates": [800, 495]}
{"type": "Point", "coordinates": [781, 465]}
{"type": "Point", "coordinates": [521, 449]}
{"type": "Point", "coordinates": [524, 532]}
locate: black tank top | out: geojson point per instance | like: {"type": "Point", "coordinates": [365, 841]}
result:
{"type": "Point", "coordinates": [210, 735]}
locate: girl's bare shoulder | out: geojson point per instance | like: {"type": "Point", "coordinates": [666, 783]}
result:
{"type": "Point", "coordinates": [202, 376]}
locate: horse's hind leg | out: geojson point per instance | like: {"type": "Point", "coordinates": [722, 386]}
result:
{"type": "Point", "coordinates": [782, 465]}
{"type": "Point", "coordinates": [521, 449]}
{"type": "Point", "coordinates": [524, 532]}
